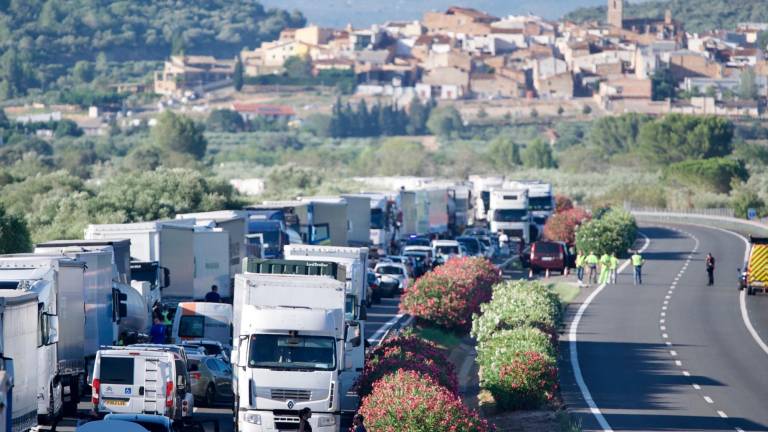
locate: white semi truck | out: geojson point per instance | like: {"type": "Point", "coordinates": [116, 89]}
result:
{"type": "Point", "coordinates": [289, 349]}
{"type": "Point", "coordinates": [481, 193]}
{"type": "Point", "coordinates": [541, 202]}
{"type": "Point", "coordinates": [509, 213]}
{"type": "Point", "coordinates": [104, 296]}
{"type": "Point", "coordinates": [354, 261]}
{"type": "Point", "coordinates": [382, 227]}
{"type": "Point", "coordinates": [19, 333]}
{"type": "Point", "coordinates": [58, 283]}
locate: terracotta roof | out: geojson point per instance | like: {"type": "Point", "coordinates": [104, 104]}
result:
{"type": "Point", "coordinates": [432, 39]}
{"type": "Point", "coordinates": [264, 109]}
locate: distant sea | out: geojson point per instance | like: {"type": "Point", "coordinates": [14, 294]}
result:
{"type": "Point", "coordinates": [338, 13]}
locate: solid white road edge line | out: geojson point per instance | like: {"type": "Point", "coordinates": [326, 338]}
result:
{"type": "Point", "coordinates": [383, 329]}
{"type": "Point", "coordinates": [574, 353]}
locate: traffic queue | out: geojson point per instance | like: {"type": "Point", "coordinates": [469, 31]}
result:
{"type": "Point", "coordinates": [261, 309]}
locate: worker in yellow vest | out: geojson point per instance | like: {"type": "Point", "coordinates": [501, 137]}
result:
{"type": "Point", "coordinates": [592, 262]}
{"type": "Point", "coordinates": [605, 271]}
{"type": "Point", "coordinates": [580, 262]}
{"type": "Point", "coordinates": [613, 266]}
{"type": "Point", "coordinates": [637, 263]}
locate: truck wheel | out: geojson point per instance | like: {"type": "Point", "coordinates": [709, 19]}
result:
{"type": "Point", "coordinates": [70, 408]}
{"type": "Point", "coordinates": [750, 291]}
{"type": "Point", "coordinates": [210, 396]}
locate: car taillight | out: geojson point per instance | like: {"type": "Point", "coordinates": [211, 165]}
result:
{"type": "Point", "coordinates": [195, 375]}
{"type": "Point", "coordinates": [95, 387]}
{"type": "Point", "coordinates": [169, 394]}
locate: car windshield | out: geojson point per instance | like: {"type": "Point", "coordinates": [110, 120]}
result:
{"type": "Point", "coordinates": [292, 352]}
{"type": "Point", "coordinates": [389, 270]}
{"type": "Point", "coordinates": [540, 203]}
{"type": "Point", "coordinates": [212, 349]}
{"type": "Point", "coordinates": [417, 242]}
{"type": "Point", "coordinates": [447, 250]}
{"type": "Point", "coordinates": [416, 256]}
{"type": "Point", "coordinates": [472, 244]}
{"type": "Point", "coordinates": [509, 215]}
{"type": "Point", "coordinates": [377, 218]}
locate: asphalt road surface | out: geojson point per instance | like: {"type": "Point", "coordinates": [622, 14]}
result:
{"type": "Point", "coordinates": [673, 354]}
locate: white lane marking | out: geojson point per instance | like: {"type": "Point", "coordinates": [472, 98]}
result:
{"type": "Point", "coordinates": [668, 343]}
{"type": "Point", "coordinates": [686, 373]}
{"type": "Point", "coordinates": [663, 314]}
{"type": "Point", "coordinates": [663, 328]}
{"type": "Point", "coordinates": [697, 387]}
{"type": "Point", "coordinates": [574, 353]}
{"type": "Point", "coordinates": [666, 302]}
{"type": "Point", "coordinates": [663, 308]}
{"type": "Point", "coordinates": [722, 414]}
{"type": "Point", "coordinates": [665, 336]}
{"type": "Point", "coordinates": [678, 363]}
{"type": "Point", "coordinates": [743, 295]}
{"type": "Point", "coordinates": [673, 353]}
{"type": "Point", "coordinates": [709, 400]}
{"type": "Point", "coordinates": [662, 321]}
{"type": "Point", "coordinates": [738, 429]}
{"type": "Point", "coordinates": [667, 297]}
{"type": "Point", "coordinates": [383, 329]}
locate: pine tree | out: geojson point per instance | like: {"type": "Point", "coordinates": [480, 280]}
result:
{"type": "Point", "coordinates": [362, 121]}
{"type": "Point", "coordinates": [237, 76]}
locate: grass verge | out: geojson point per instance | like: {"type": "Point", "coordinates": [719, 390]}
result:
{"type": "Point", "coordinates": [442, 338]}
{"type": "Point", "coordinates": [566, 291]}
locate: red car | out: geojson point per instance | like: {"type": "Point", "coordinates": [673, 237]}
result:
{"type": "Point", "coordinates": [549, 255]}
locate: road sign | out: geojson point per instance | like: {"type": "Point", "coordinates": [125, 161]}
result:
{"type": "Point", "coordinates": [751, 214]}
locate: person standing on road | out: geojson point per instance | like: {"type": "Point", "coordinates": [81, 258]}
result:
{"type": "Point", "coordinates": [592, 262]}
{"type": "Point", "coordinates": [605, 263]}
{"type": "Point", "coordinates": [357, 424]}
{"type": "Point", "coordinates": [157, 332]}
{"type": "Point", "coordinates": [637, 263]}
{"type": "Point", "coordinates": [213, 296]}
{"type": "Point", "coordinates": [503, 242]}
{"type": "Point", "coordinates": [580, 267]}
{"type": "Point", "coordinates": [613, 267]}
{"type": "Point", "coordinates": [710, 269]}
{"type": "Point", "coordinates": [304, 415]}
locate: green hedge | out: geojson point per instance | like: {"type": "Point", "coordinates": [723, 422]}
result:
{"type": "Point", "coordinates": [518, 367]}
{"type": "Point", "coordinates": [714, 174]}
{"type": "Point", "coordinates": [613, 232]}
{"type": "Point", "coordinates": [518, 304]}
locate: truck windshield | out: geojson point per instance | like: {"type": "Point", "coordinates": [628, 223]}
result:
{"type": "Point", "coordinates": [377, 218]}
{"type": "Point", "coordinates": [510, 215]}
{"type": "Point", "coordinates": [540, 203]}
{"type": "Point", "coordinates": [144, 273]}
{"type": "Point", "coordinates": [389, 270]}
{"type": "Point", "coordinates": [447, 250]}
{"type": "Point", "coordinates": [472, 244]}
{"type": "Point", "coordinates": [297, 352]}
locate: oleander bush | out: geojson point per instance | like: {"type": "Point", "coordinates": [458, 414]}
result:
{"type": "Point", "coordinates": [413, 402]}
{"type": "Point", "coordinates": [562, 226]}
{"type": "Point", "coordinates": [613, 232]}
{"type": "Point", "coordinates": [518, 367]}
{"type": "Point", "coordinates": [518, 304]}
{"type": "Point", "coordinates": [409, 353]}
{"type": "Point", "coordinates": [448, 296]}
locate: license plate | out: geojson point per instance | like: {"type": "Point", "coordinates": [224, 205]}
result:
{"type": "Point", "coordinates": [547, 258]}
{"type": "Point", "coordinates": [116, 402]}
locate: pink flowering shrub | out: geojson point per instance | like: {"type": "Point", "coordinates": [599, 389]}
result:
{"type": "Point", "coordinates": [528, 381]}
{"type": "Point", "coordinates": [409, 401]}
{"type": "Point", "coordinates": [409, 353]}
{"type": "Point", "coordinates": [448, 296]}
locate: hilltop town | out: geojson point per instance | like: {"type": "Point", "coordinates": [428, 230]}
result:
{"type": "Point", "coordinates": [516, 62]}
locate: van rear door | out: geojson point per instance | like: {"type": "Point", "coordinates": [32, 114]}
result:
{"type": "Point", "coordinates": [119, 386]}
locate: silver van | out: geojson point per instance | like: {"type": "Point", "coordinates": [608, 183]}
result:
{"type": "Point", "coordinates": [142, 380]}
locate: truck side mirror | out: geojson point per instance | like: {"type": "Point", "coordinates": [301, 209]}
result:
{"type": "Point", "coordinates": [166, 277]}
{"type": "Point", "coordinates": [241, 353]}
{"type": "Point", "coordinates": [53, 329]}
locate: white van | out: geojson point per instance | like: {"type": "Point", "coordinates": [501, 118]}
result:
{"type": "Point", "coordinates": [196, 321]}
{"type": "Point", "coordinates": [142, 380]}
{"type": "Point", "coordinates": [443, 250]}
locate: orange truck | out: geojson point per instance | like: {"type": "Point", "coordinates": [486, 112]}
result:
{"type": "Point", "coordinates": [754, 278]}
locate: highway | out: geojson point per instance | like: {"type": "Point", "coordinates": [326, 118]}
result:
{"type": "Point", "coordinates": [674, 353]}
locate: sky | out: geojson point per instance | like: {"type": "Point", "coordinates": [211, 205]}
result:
{"type": "Point", "coordinates": [338, 13]}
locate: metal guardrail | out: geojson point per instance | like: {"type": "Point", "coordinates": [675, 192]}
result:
{"type": "Point", "coordinates": [742, 226]}
{"type": "Point", "coordinates": [717, 212]}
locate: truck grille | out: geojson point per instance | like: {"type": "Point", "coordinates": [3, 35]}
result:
{"type": "Point", "coordinates": [291, 394]}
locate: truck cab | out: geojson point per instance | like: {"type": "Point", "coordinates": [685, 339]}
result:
{"type": "Point", "coordinates": [541, 203]}
{"type": "Point", "coordinates": [755, 275]}
{"type": "Point", "coordinates": [509, 213]}
{"type": "Point", "coordinates": [289, 348]}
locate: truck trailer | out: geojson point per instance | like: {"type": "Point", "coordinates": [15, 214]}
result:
{"type": "Point", "coordinates": [19, 333]}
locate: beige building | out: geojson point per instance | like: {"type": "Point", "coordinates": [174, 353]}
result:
{"type": "Point", "coordinates": [458, 20]}
{"type": "Point", "coordinates": [182, 73]}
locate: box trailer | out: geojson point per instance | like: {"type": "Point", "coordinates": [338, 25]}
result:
{"type": "Point", "coordinates": [408, 215]}
{"type": "Point", "coordinates": [18, 359]}
{"type": "Point", "coordinates": [328, 215]}
{"type": "Point", "coordinates": [211, 258]}
{"type": "Point", "coordinates": [359, 217]}
{"type": "Point", "coordinates": [235, 223]}
{"type": "Point", "coordinates": [170, 243]}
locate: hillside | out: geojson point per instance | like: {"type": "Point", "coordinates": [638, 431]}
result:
{"type": "Point", "coordinates": [41, 39]}
{"type": "Point", "coordinates": [698, 15]}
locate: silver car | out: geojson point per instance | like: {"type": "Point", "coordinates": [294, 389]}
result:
{"type": "Point", "coordinates": [211, 379]}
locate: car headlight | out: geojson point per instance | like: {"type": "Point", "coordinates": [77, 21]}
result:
{"type": "Point", "coordinates": [253, 418]}
{"type": "Point", "coordinates": [326, 421]}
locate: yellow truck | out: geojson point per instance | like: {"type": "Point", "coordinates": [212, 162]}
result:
{"type": "Point", "coordinates": [754, 278]}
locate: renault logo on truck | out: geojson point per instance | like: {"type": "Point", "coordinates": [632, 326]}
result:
{"type": "Point", "coordinates": [291, 404]}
